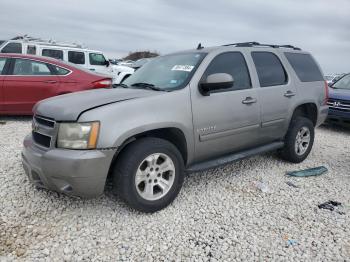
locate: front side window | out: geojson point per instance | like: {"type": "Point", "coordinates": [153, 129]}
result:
{"type": "Point", "coordinates": [58, 54]}
{"type": "Point", "coordinates": [270, 69]}
{"type": "Point", "coordinates": [305, 67]}
{"type": "Point", "coordinates": [12, 48]}
{"type": "Point", "coordinates": [234, 64]}
{"type": "Point", "coordinates": [97, 59]}
{"type": "Point", "coordinates": [342, 83]}
{"type": "Point", "coordinates": [30, 67]}
{"type": "Point", "coordinates": [31, 50]}
{"type": "Point", "coordinates": [2, 65]}
{"type": "Point", "coordinates": [76, 57]}
{"type": "Point", "coordinates": [168, 73]}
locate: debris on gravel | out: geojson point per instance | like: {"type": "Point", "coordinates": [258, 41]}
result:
{"type": "Point", "coordinates": [219, 214]}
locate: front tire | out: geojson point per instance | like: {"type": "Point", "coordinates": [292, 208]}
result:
{"type": "Point", "coordinates": [149, 174]}
{"type": "Point", "coordinates": [299, 140]}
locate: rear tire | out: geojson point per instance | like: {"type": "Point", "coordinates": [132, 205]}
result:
{"type": "Point", "coordinates": [299, 140]}
{"type": "Point", "coordinates": [149, 174]}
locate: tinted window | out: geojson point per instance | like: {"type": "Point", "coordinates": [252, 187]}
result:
{"type": "Point", "coordinates": [97, 59]}
{"type": "Point", "coordinates": [58, 54]}
{"type": "Point", "coordinates": [12, 48]}
{"type": "Point", "coordinates": [305, 67]}
{"type": "Point", "coordinates": [31, 49]}
{"type": "Point", "coordinates": [232, 63]}
{"type": "Point", "coordinates": [60, 71]}
{"type": "Point", "coordinates": [76, 57]}
{"type": "Point", "coordinates": [30, 67]}
{"type": "Point", "coordinates": [269, 68]}
{"type": "Point", "coordinates": [2, 64]}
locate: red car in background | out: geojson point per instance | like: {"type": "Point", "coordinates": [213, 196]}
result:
{"type": "Point", "coordinates": [27, 79]}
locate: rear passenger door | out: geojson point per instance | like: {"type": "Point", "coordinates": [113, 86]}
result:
{"type": "Point", "coordinates": [276, 94]}
{"type": "Point", "coordinates": [227, 120]}
{"type": "Point", "coordinates": [2, 73]}
{"type": "Point", "coordinates": [29, 81]}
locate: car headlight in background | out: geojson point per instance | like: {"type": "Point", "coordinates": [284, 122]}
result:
{"type": "Point", "coordinates": [78, 135]}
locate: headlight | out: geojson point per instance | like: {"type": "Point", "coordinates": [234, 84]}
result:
{"type": "Point", "coordinates": [78, 135]}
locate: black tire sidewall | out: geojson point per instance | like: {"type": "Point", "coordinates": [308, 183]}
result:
{"type": "Point", "coordinates": [288, 152]}
{"type": "Point", "coordinates": [131, 161]}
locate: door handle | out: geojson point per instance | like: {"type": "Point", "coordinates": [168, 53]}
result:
{"type": "Point", "coordinates": [289, 94]}
{"type": "Point", "coordinates": [50, 81]}
{"type": "Point", "coordinates": [249, 100]}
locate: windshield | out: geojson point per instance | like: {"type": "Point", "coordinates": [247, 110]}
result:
{"type": "Point", "coordinates": [343, 83]}
{"type": "Point", "coordinates": [166, 72]}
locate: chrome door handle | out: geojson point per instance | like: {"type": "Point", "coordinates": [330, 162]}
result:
{"type": "Point", "coordinates": [249, 100]}
{"type": "Point", "coordinates": [50, 81]}
{"type": "Point", "coordinates": [289, 94]}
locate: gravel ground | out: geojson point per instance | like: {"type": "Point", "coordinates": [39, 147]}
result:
{"type": "Point", "coordinates": [219, 215]}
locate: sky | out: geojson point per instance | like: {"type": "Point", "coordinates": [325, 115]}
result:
{"type": "Point", "coordinates": [117, 27]}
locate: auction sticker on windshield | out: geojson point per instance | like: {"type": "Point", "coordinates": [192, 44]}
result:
{"type": "Point", "coordinates": [187, 68]}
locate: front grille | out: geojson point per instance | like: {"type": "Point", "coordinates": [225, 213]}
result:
{"type": "Point", "coordinates": [41, 139]}
{"type": "Point", "coordinates": [45, 121]}
{"type": "Point", "coordinates": [341, 105]}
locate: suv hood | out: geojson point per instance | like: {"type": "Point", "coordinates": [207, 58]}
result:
{"type": "Point", "coordinates": [70, 106]}
{"type": "Point", "coordinates": [340, 94]}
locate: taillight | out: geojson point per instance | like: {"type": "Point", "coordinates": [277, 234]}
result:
{"type": "Point", "coordinates": [104, 83]}
{"type": "Point", "coordinates": [326, 93]}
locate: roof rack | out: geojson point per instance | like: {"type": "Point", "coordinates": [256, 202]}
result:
{"type": "Point", "coordinates": [251, 44]}
{"type": "Point", "coordinates": [51, 42]}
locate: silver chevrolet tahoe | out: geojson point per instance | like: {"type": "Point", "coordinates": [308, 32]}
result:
{"type": "Point", "coordinates": [184, 112]}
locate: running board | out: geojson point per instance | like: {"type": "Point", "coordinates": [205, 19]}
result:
{"type": "Point", "coordinates": [233, 157]}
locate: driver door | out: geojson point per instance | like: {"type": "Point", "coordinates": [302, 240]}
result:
{"type": "Point", "coordinates": [227, 120]}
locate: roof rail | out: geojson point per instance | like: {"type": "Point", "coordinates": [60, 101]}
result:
{"type": "Point", "coordinates": [251, 44]}
{"type": "Point", "coordinates": [51, 42]}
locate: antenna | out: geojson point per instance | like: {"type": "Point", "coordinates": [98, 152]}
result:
{"type": "Point", "coordinates": [199, 47]}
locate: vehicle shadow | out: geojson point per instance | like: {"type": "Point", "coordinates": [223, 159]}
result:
{"type": "Point", "coordinates": [5, 119]}
{"type": "Point", "coordinates": [336, 128]}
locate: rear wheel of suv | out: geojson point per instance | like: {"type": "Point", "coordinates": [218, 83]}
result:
{"type": "Point", "coordinates": [149, 174]}
{"type": "Point", "coordinates": [299, 140]}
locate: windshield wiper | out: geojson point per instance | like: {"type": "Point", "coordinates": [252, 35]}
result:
{"type": "Point", "coordinates": [121, 85]}
{"type": "Point", "coordinates": [147, 86]}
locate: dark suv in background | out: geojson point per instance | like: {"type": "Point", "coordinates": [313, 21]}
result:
{"type": "Point", "coordinates": [339, 101]}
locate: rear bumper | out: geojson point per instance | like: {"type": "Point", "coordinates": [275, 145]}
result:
{"type": "Point", "coordinates": [322, 116]}
{"type": "Point", "coordinates": [73, 172]}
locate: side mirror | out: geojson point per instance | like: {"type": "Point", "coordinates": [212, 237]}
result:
{"type": "Point", "coordinates": [107, 63]}
{"type": "Point", "coordinates": [215, 82]}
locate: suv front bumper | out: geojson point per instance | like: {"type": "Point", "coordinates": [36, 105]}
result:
{"type": "Point", "coordinates": [73, 172]}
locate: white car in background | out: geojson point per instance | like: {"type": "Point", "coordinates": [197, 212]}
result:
{"type": "Point", "coordinates": [77, 54]}
{"type": "Point", "coordinates": [121, 73]}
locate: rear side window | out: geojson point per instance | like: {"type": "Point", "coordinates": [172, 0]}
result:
{"type": "Point", "coordinates": [30, 68]}
{"type": "Point", "coordinates": [305, 67]}
{"type": "Point", "coordinates": [97, 59]}
{"type": "Point", "coordinates": [232, 63]}
{"type": "Point", "coordinates": [2, 64]}
{"type": "Point", "coordinates": [31, 50]}
{"type": "Point", "coordinates": [76, 57]}
{"type": "Point", "coordinates": [58, 54]}
{"type": "Point", "coordinates": [12, 48]}
{"type": "Point", "coordinates": [61, 71]}
{"type": "Point", "coordinates": [270, 69]}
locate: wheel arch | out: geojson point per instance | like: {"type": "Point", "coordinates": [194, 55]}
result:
{"type": "Point", "coordinates": [308, 110]}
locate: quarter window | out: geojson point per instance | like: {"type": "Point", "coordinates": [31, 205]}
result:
{"type": "Point", "coordinates": [232, 63]}
{"type": "Point", "coordinates": [76, 57]}
{"type": "Point", "coordinates": [97, 59]}
{"type": "Point", "coordinates": [61, 71]}
{"type": "Point", "coordinates": [58, 54]}
{"type": "Point", "coordinates": [305, 67]}
{"type": "Point", "coordinates": [30, 67]}
{"type": "Point", "coordinates": [12, 48]}
{"type": "Point", "coordinates": [2, 65]}
{"type": "Point", "coordinates": [270, 69]}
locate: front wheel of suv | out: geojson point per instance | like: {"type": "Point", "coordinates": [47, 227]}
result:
{"type": "Point", "coordinates": [299, 140]}
{"type": "Point", "coordinates": [149, 174]}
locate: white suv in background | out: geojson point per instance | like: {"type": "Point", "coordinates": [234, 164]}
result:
{"type": "Point", "coordinates": [93, 60]}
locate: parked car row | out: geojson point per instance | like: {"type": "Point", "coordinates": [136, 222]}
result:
{"type": "Point", "coordinates": [27, 79]}
{"type": "Point", "coordinates": [184, 112]}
